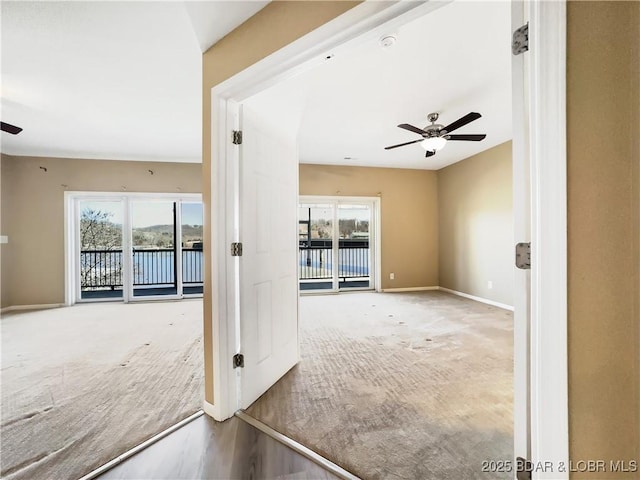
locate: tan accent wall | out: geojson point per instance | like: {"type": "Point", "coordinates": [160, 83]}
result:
{"type": "Point", "coordinates": [475, 201]}
{"type": "Point", "coordinates": [273, 27]}
{"type": "Point", "coordinates": [603, 135]}
{"type": "Point", "coordinates": [408, 214]}
{"type": "Point", "coordinates": [33, 213]}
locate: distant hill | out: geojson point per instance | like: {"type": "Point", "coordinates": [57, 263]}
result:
{"type": "Point", "coordinates": [187, 230]}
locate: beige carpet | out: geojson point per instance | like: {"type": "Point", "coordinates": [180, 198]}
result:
{"type": "Point", "coordinates": [399, 386]}
{"type": "Point", "coordinates": [81, 385]}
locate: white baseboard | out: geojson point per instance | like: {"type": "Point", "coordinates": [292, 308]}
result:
{"type": "Point", "coordinates": [42, 306]}
{"type": "Point", "coordinates": [408, 289]}
{"type": "Point", "coordinates": [477, 299]}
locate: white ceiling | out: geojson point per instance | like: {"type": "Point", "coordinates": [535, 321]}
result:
{"type": "Point", "coordinates": [454, 60]}
{"type": "Point", "coordinates": [112, 80]}
{"type": "Point", "coordinates": [122, 80]}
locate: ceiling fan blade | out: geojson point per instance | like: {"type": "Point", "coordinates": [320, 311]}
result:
{"type": "Point", "coordinates": [403, 144]}
{"type": "Point", "coordinates": [470, 138]}
{"type": "Point", "coordinates": [411, 128]}
{"type": "Point", "coordinates": [430, 153]}
{"type": "Point", "coordinates": [461, 122]}
{"type": "Point", "coordinates": [12, 129]}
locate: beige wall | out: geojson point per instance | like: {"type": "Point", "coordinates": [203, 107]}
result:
{"type": "Point", "coordinates": [33, 213]}
{"type": "Point", "coordinates": [408, 211]}
{"type": "Point", "coordinates": [273, 27]}
{"type": "Point", "coordinates": [603, 135]}
{"type": "Point", "coordinates": [475, 202]}
{"type": "Point", "coordinates": [603, 244]}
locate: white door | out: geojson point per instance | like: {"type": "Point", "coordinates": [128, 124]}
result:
{"type": "Point", "coordinates": [268, 266]}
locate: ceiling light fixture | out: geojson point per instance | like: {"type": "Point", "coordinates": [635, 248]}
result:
{"type": "Point", "coordinates": [433, 143]}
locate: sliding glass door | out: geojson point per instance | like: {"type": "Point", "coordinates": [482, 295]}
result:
{"type": "Point", "coordinates": [138, 247]}
{"type": "Point", "coordinates": [100, 239]}
{"type": "Point", "coordinates": [154, 248]}
{"type": "Point", "coordinates": [354, 252]}
{"type": "Point", "coordinates": [316, 233]}
{"type": "Point", "coordinates": [191, 215]}
{"type": "Point", "coordinates": [336, 248]}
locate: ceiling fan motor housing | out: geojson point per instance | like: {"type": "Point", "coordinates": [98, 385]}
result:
{"type": "Point", "coordinates": [432, 130]}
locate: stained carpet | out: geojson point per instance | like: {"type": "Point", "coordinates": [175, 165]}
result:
{"type": "Point", "coordinates": [81, 385]}
{"type": "Point", "coordinates": [399, 385]}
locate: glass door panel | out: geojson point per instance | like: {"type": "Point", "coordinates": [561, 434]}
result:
{"type": "Point", "coordinates": [153, 235]}
{"type": "Point", "coordinates": [315, 239]}
{"type": "Point", "coordinates": [101, 266]}
{"type": "Point", "coordinates": [354, 254]}
{"type": "Point", "coordinates": [191, 222]}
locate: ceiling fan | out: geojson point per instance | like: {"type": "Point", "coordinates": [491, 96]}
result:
{"type": "Point", "coordinates": [12, 129]}
{"type": "Point", "coordinates": [435, 136]}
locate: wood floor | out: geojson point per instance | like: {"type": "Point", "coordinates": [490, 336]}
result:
{"type": "Point", "coordinates": [205, 449]}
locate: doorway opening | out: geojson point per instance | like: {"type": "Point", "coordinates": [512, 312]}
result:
{"type": "Point", "coordinates": [540, 88]}
{"type": "Point", "coordinates": [407, 358]}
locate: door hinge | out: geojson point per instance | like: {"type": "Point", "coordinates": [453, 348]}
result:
{"type": "Point", "coordinates": [523, 256]}
{"type": "Point", "coordinates": [520, 41]}
{"type": "Point", "coordinates": [237, 137]}
{"type": "Point", "coordinates": [523, 469]}
{"type": "Point", "coordinates": [236, 249]}
{"type": "Point", "coordinates": [238, 360]}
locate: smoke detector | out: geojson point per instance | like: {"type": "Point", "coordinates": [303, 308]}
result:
{"type": "Point", "coordinates": [387, 41]}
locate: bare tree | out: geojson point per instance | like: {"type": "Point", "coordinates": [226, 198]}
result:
{"type": "Point", "coordinates": [101, 244]}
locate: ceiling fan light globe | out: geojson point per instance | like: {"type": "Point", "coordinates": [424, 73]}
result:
{"type": "Point", "coordinates": [433, 143]}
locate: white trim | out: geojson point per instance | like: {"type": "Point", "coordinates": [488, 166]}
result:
{"type": "Point", "coordinates": [41, 306]}
{"type": "Point", "coordinates": [409, 289]}
{"type": "Point", "coordinates": [208, 408]}
{"type": "Point", "coordinates": [297, 447]}
{"type": "Point", "coordinates": [69, 250]}
{"type": "Point", "coordinates": [521, 233]}
{"type": "Point", "coordinates": [377, 226]}
{"type": "Point", "coordinates": [477, 299]}
{"type": "Point", "coordinates": [547, 130]}
{"type": "Point", "coordinates": [224, 271]}
{"type": "Point", "coordinates": [132, 451]}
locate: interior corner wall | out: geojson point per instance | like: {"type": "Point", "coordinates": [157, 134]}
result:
{"type": "Point", "coordinates": [33, 213]}
{"type": "Point", "coordinates": [475, 202]}
{"type": "Point", "coordinates": [272, 28]}
{"type": "Point", "coordinates": [5, 258]}
{"type": "Point", "coordinates": [408, 215]}
{"type": "Point", "coordinates": [603, 76]}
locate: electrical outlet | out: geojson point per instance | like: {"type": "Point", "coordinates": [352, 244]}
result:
{"type": "Point", "coordinates": [490, 284]}
{"type": "Point", "coordinates": [392, 276]}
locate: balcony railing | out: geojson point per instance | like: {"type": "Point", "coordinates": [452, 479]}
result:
{"type": "Point", "coordinates": [103, 268]}
{"type": "Point", "coordinates": [316, 260]}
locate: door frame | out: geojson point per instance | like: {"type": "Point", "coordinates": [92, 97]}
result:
{"type": "Point", "coordinates": [374, 239]}
{"type": "Point", "coordinates": [72, 241]}
{"type": "Point", "coordinates": [545, 93]}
